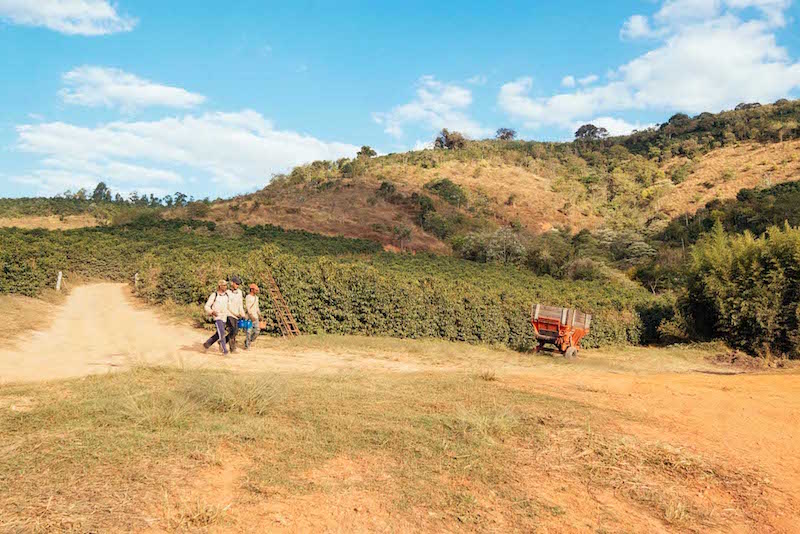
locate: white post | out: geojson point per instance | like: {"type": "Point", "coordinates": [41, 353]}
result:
{"type": "Point", "coordinates": [58, 282]}
{"type": "Point", "coordinates": [136, 281]}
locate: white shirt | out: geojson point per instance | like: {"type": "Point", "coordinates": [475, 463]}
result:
{"type": "Point", "coordinates": [218, 302]}
{"type": "Point", "coordinates": [236, 305]}
{"type": "Point", "coordinates": [251, 304]}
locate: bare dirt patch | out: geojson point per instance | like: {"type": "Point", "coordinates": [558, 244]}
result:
{"type": "Point", "coordinates": [50, 222]}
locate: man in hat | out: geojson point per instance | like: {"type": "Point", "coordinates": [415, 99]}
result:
{"type": "Point", "coordinates": [253, 313]}
{"type": "Point", "coordinates": [236, 310]}
{"type": "Point", "coordinates": [217, 307]}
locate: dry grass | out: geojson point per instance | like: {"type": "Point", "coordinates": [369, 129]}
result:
{"type": "Point", "coordinates": [193, 515]}
{"type": "Point", "coordinates": [431, 451]}
{"type": "Point", "coordinates": [24, 314]}
{"type": "Point", "coordinates": [489, 375]}
{"type": "Point", "coordinates": [351, 207]}
{"type": "Point", "coordinates": [49, 222]}
{"type": "Point", "coordinates": [730, 169]}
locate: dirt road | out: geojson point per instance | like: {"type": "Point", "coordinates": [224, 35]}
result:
{"type": "Point", "coordinates": [742, 419]}
{"type": "Point", "coordinates": [101, 328]}
{"type": "Point", "coordinates": [96, 330]}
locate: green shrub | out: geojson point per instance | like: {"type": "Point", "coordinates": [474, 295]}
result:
{"type": "Point", "coordinates": [745, 289]}
{"type": "Point", "coordinates": [680, 174]}
{"type": "Point", "coordinates": [449, 191]}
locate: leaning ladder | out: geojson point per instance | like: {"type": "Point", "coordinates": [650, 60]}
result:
{"type": "Point", "coordinates": [283, 314]}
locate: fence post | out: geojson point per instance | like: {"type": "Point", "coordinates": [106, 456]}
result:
{"type": "Point", "coordinates": [136, 281]}
{"type": "Point", "coordinates": [58, 282]}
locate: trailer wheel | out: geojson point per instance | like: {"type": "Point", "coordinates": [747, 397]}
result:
{"type": "Point", "coordinates": [571, 353]}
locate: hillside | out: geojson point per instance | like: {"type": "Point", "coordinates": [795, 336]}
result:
{"type": "Point", "coordinates": [431, 200]}
{"type": "Point", "coordinates": [634, 183]}
{"type": "Point", "coordinates": [70, 211]}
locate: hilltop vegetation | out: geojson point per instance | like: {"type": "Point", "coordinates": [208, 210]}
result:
{"type": "Point", "coordinates": [632, 184]}
{"type": "Point", "coordinates": [100, 207]}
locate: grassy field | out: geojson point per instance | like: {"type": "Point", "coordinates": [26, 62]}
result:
{"type": "Point", "coordinates": [348, 433]}
{"type": "Point", "coordinates": [174, 449]}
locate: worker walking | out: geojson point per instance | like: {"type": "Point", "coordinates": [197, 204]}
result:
{"type": "Point", "coordinates": [235, 310]}
{"type": "Point", "coordinates": [253, 314]}
{"type": "Point", "coordinates": [217, 307]}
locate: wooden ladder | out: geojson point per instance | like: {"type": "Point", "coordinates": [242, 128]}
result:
{"type": "Point", "coordinates": [283, 314]}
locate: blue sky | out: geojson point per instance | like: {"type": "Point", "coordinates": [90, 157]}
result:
{"type": "Point", "coordinates": [213, 99]}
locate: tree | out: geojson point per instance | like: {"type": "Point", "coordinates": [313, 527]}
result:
{"type": "Point", "coordinates": [449, 140]}
{"type": "Point", "coordinates": [679, 119]}
{"type": "Point", "coordinates": [590, 131]}
{"type": "Point", "coordinates": [504, 246]}
{"type": "Point", "coordinates": [401, 235]}
{"type": "Point", "coordinates": [366, 152]}
{"type": "Point", "coordinates": [101, 193]}
{"type": "Point", "coordinates": [782, 128]}
{"type": "Point", "coordinates": [198, 209]}
{"type": "Point", "coordinates": [506, 134]}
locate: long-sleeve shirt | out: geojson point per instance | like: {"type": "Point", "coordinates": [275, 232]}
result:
{"type": "Point", "coordinates": [218, 302]}
{"type": "Point", "coordinates": [236, 304]}
{"type": "Point", "coordinates": [251, 305]}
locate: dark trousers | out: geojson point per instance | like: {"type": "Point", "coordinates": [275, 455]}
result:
{"type": "Point", "coordinates": [230, 337]}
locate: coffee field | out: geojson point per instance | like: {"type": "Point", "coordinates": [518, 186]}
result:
{"type": "Point", "coordinates": [332, 284]}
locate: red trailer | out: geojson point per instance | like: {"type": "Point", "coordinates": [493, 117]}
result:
{"type": "Point", "coordinates": [563, 327]}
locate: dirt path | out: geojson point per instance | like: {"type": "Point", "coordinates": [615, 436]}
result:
{"type": "Point", "coordinates": [96, 330]}
{"type": "Point", "coordinates": [100, 329]}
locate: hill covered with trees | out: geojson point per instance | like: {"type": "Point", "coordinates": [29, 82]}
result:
{"type": "Point", "coordinates": [681, 231]}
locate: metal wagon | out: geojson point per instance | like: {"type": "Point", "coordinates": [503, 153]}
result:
{"type": "Point", "coordinates": [562, 327]}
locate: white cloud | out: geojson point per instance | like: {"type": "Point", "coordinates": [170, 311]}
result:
{"type": "Point", "coordinates": [422, 145]}
{"type": "Point", "coordinates": [682, 11]}
{"type": "Point", "coordinates": [106, 87]}
{"type": "Point", "coordinates": [437, 105]}
{"type": "Point", "coordinates": [700, 65]}
{"type": "Point", "coordinates": [238, 151]}
{"type": "Point", "coordinates": [568, 81]}
{"type": "Point", "coordinates": [614, 125]}
{"type": "Point", "coordinates": [679, 11]}
{"type": "Point", "coordinates": [478, 79]}
{"type": "Point", "coordinates": [49, 182]}
{"type": "Point", "coordinates": [71, 17]}
{"type": "Point", "coordinates": [588, 80]}
{"type": "Point", "coordinates": [637, 27]}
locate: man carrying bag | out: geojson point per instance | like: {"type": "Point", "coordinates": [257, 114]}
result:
{"type": "Point", "coordinates": [235, 310]}
{"type": "Point", "coordinates": [217, 307]}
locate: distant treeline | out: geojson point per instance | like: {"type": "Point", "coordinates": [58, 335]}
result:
{"type": "Point", "coordinates": [102, 203]}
